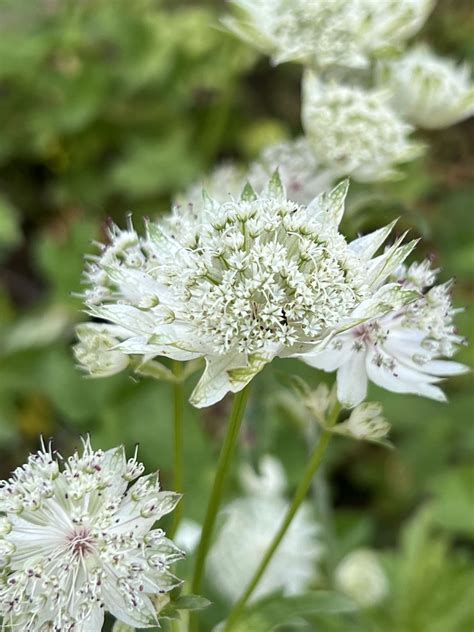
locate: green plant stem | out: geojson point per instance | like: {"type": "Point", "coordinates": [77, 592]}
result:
{"type": "Point", "coordinates": [223, 466]}
{"type": "Point", "coordinates": [300, 495]}
{"type": "Point", "coordinates": [178, 441]}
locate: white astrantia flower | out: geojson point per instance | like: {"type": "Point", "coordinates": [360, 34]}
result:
{"type": "Point", "coordinates": [354, 132]}
{"type": "Point", "coordinates": [300, 172]}
{"type": "Point", "coordinates": [360, 576]}
{"type": "Point", "coordinates": [250, 523]}
{"type": "Point", "coordinates": [401, 350]}
{"type": "Point", "coordinates": [241, 283]}
{"type": "Point", "coordinates": [96, 350]}
{"type": "Point", "coordinates": [430, 91]}
{"type": "Point", "coordinates": [77, 540]}
{"type": "Point", "coordinates": [327, 32]}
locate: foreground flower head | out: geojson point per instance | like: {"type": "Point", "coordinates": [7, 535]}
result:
{"type": "Point", "coordinates": [354, 132]}
{"type": "Point", "coordinates": [250, 523]}
{"type": "Point", "coordinates": [431, 91]}
{"type": "Point", "coordinates": [399, 351]}
{"type": "Point", "coordinates": [240, 283]}
{"type": "Point", "coordinates": [327, 32]}
{"type": "Point", "coordinates": [77, 541]}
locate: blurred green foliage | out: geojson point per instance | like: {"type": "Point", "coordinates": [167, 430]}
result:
{"type": "Point", "coordinates": [115, 106]}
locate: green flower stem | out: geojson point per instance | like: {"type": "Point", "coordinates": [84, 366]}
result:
{"type": "Point", "coordinates": [223, 466]}
{"type": "Point", "coordinates": [178, 441]}
{"type": "Point", "coordinates": [300, 495]}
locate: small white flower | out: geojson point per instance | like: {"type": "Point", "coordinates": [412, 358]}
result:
{"type": "Point", "coordinates": [366, 422]}
{"type": "Point", "coordinates": [300, 172]}
{"type": "Point", "coordinates": [96, 350]}
{"type": "Point", "coordinates": [327, 32]}
{"type": "Point", "coordinates": [77, 541]}
{"type": "Point", "coordinates": [239, 283]}
{"type": "Point", "coordinates": [431, 91]}
{"type": "Point", "coordinates": [360, 576]}
{"type": "Point", "coordinates": [250, 524]}
{"type": "Point", "coordinates": [354, 132]}
{"type": "Point", "coordinates": [399, 351]}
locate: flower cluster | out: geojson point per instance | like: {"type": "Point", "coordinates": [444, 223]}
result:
{"type": "Point", "coordinates": [431, 91]}
{"type": "Point", "coordinates": [324, 33]}
{"type": "Point", "coordinates": [77, 541]}
{"type": "Point", "coordinates": [240, 283]}
{"type": "Point", "coordinates": [250, 523]}
{"type": "Point", "coordinates": [354, 131]}
{"type": "Point", "coordinates": [401, 350]}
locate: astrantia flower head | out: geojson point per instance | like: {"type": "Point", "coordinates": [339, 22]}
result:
{"type": "Point", "coordinates": [324, 33]}
{"type": "Point", "coordinates": [355, 132]}
{"type": "Point", "coordinates": [250, 523]}
{"type": "Point", "coordinates": [77, 540]}
{"type": "Point", "coordinates": [431, 91]}
{"type": "Point", "coordinates": [400, 351]}
{"type": "Point", "coordinates": [240, 283]}
{"type": "Point", "coordinates": [300, 172]}
{"type": "Point", "coordinates": [96, 350]}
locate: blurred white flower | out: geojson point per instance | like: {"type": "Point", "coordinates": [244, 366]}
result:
{"type": "Point", "coordinates": [399, 351]}
{"type": "Point", "coordinates": [222, 184]}
{"type": "Point", "coordinates": [301, 174]}
{"type": "Point", "coordinates": [431, 91]}
{"type": "Point", "coordinates": [240, 283]}
{"type": "Point", "coordinates": [96, 350]}
{"type": "Point", "coordinates": [250, 523]}
{"type": "Point", "coordinates": [327, 32]}
{"type": "Point", "coordinates": [360, 576]}
{"type": "Point", "coordinates": [366, 422]}
{"type": "Point", "coordinates": [354, 132]}
{"type": "Point", "coordinates": [77, 541]}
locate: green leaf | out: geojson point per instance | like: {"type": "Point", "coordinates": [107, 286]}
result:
{"type": "Point", "coordinates": [453, 505]}
{"type": "Point", "coordinates": [191, 602]}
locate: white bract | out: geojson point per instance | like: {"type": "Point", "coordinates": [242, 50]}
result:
{"type": "Point", "coordinates": [240, 283]}
{"type": "Point", "coordinates": [401, 350]}
{"type": "Point", "coordinates": [250, 523]}
{"type": "Point", "coordinates": [327, 32]}
{"type": "Point", "coordinates": [431, 91]}
{"type": "Point", "coordinates": [360, 576]}
{"type": "Point", "coordinates": [223, 183]}
{"type": "Point", "coordinates": [355, 132]}
{"type": "Point", "coordinates": [76, 540]}
{"type": "Point", "coordinates": [366, 422]}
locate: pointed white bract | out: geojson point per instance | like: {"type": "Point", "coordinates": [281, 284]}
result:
{"type": "Point", "coordinates": [324, 33]}
{"type": "Point", "coordinates": [402, 350]}
{"type": "Point", "coordinates": [240, 283]}
{"type": "Point", "coordinates": [430, 91]}
{"type": "Point", "coordinates": [77, 540]}
{"type": "Point", "coordinates": [250, 523]}
{"type": "Point", "coordinates": [354, 132]}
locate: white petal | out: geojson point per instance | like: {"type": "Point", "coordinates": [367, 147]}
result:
{"type": "Point", "coordinates": [444, 368]}
{"type": "Point", "coordinates": [352, 380]}
{"type": "Point", "coordinates": [367, 245]}
{"type": "Point", "coordinates": [93, 623]}
{"type": "Point", "coordinates": [214, 383]}
{"type": "Point", "coordinates": [329, 359]}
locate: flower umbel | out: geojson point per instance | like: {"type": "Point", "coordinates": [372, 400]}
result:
{"type": "Point", "coordinates": [240, 283]}
{"type": "Point", "coordinates": [77, 540]}
{"type": "Point", "coordinates": [431, 91]}
{"type": "Point", "coordinates": [354, 132]}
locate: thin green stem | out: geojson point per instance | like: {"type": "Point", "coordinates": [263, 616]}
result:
{"type": "Point", "coordinates": [223, 466]}
{"type": "Point", "coordinates": [300, 495]}
{"type": "Point", "coordinates": [178, 441]}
